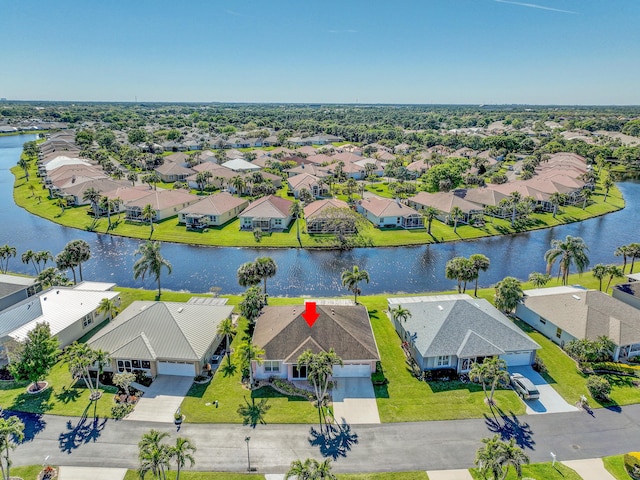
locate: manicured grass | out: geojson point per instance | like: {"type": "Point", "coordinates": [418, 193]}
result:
{"type": "Point", "coordinates": [38, 203]}
{"type": "Point", "coordinates": [190, 475]}
{"type": "Point", "coordinates": [227, 389]}
{"type": "Point", "coordinates": [537, 470]}
{"type": "Point", "coordinates": [416, 475]}
{"type": "Point", "coordinates": [615, 466]}
{"type": "Point", "coordinates": [62, 397]}
{"type": "Point", "coordinates": [29, 472]}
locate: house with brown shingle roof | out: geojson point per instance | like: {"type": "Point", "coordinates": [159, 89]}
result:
{"type": "Point", "coordinates": [388, 213]}
{"type": "Point", "coordinates": [212, 210]}
{"type": "Point", "coordinates": [306, 181]}
{"type": "Point", "coordinates": [563, 314]}
{"type": "Point", "coordinates": [444, 202]}
{"type": "Point", "coordinates": [166, 203]}
{"type": "Point", "coordinates": [268, 213]}
{"type": "Point", "coordinates": [173, 172]}
{"type": "Point", "coordinates": [284, 335]}
{"type": "Point", "coordinates": [317, 214]}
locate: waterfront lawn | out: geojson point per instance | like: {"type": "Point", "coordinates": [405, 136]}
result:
{"type": "Point", "coordinates": [537, 470]}
{"type": "Point", "coordinates": [62, 397]}
{"type": "Point", "coordinates": [226, 388]}
{"type": "Point", "coordinates": [615, 466]}
{"type": "Point", "coordinates": [27, 472]}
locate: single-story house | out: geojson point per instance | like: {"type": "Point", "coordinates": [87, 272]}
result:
{"type": "Point", "coordinates": [444, 202]}
{"type": "Point", "coordinates": [267, 213]}
{"type": "Point", "coordinates": [212, 210]}
{"type": "Point", "coordinates": [628, 293]}
{"type": "Point", "coordinates": [166, 203]}
{"type": "Point", "coordinates": [454, 331]}
{"type": "Point", "coordinates": [13, 289]}
{"type": "Point", "coordinates": [284, 335]}
{"type": "Point", "coordinates": [241, 165]}
{"type": "Point", "coordinates": [316, 217]}
{"type": "Point", "coordinates": [384, 212]}
{"type": "Point", "coordinates": [69, 311]}
{"type": "Point", "coordinates": [306, 181]}
{"type": "Point", "coordinates": [173, 172]}
{"type": "Point", "coordinates": [568, 313]}
{"type": "Point", "coordinates": [162, 338]}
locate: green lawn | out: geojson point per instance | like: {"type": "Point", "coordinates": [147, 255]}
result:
{"type": "Point", "coordinates": [541, 471]}
{"type": "Point", "coordinates": [29, 472]}
{"type": "Point", "coordinates": [417, 475]}
{"type": "Point", "coordinates": [190, 475]}
{"type": "Point", "coordinates": [61, 398]}
{"type": "Point", "coordinates": [615, 466]}
{"type": "Point", "coordinates": [38, 203]}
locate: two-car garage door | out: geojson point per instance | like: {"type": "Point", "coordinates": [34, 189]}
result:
{"type": "Point", "coordinates": [517, 359]}
{"type": "Point", "coordinates": [177, 368]}
{"type": "Point", "coordinates": [363, 370]}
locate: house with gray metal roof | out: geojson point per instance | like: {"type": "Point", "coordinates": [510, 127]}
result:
{"type": "Point", "coordinates": [574, 313]}
{"type": "Point", "coordinates": [454, 331]}
{"type": "Point", "coordinates": [162, 338]}
{"type": "Point", "coordinates": [14, 289]}
{"type": "Point", "coordinates": [284, 335]}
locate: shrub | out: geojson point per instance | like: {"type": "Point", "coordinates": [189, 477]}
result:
{"type": "Point", "coordinates": [121, 410]}
{"type": "Point", "coordinates": [539, 366]}
{"type": "Point", "coordinates": [611, 367]}
{"type": "Point", "coordinates": [599, 387]}
{"type": "Point", "coordinates": [586, 350]}
{"type": "Point", "coordinates": [632, 464]}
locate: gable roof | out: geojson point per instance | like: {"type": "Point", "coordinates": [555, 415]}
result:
{"type": "Point", "coordinates": [160, 199]}
{"type": "Point", "coordinates": [173, 168]}
{"type": "Point", "coordinates": [443, 201]}
{"type": "Point", "coordinates": [241, 165]}
{"type": "Point", "coordinates": [588, 314]}
{"type": "Point", "coordinates": [157, 330]}
{"type": "Point", "coordinates": [304, 180]}
{"type": "Point", "coordinates": [215, 204]}
{"type": "Point", "coordinates": [268, 207]}
{"type": "Point", "coordinates": [284, 334]}
{"type": "Point", "coordinates": [460, 325]}
{"type": "Point", "coordinates": [385, 207]}
{"type": "Point", "coordinates": [314, 208]}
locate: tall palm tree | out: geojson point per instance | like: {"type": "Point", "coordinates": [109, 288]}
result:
{"type": "Point", "coordinates": [65, 261]}
{"type": "Point", "coordinates": [24, 165]}
{"type": "Point", "coordinates": [556, 198]}
{"type": "Point", "coordinates": [456, 214]}
{"type": "Point", "coordinates": [6, 252]}
{"type": "Point", "coordinates": [496, 456]}
{"type": "Point", "coordinates": [150, 262]}
{"type": "Point", "coordinates": [490, 372]}
{"type": "Point", "coordinates": [479, 263]}
{"type": "Point", "coordinates": [508, 294]}
{"type": "Point", "coordinates": [513, 455]}
{"type": "Point", "coordinates": [181, 452]}
{"type": "Point", "coordinates": [428, 214]}
{"type": "Point", "coordinates": [43, 256]}
{"type": "Point", "coordinates": [570, 251]}
{"type": "Point", "coordinates": [108, 307]}
{"type": "Point", "coordinates": [351, 279]}
{"type": "Point", "coordinates": [153, 454]}
{"type": "Point", "coordinates": [149, 214]}
{"type": "Point", "coordinates": [622, 251]}
{"type": "Point", "coordinates": [101, 359]}
{"type": "Point", "coordinates": [110, 205]}
{"type": "Point", "coordinates": [80, 253]}
{"type": "Point", "coordinates": [319, 371]}
{"type": "Point", "coordinates": [613, 271]}
{"type": "Point", "coordinates": [247, 352]}
{"type": "Point", "coordinates": [133, 178]}
{"type": "Point", "coordinates": [238, 183]}
{"type": "Point", "coordinates": [265, 268]}
{"type": "Point", "coordinates": [297, 211]}
{"type": "Point", "coordinates": [400, 313]}
{"type": "Point", "coordinates": [248, 275]}
{"type": "Point", "coordinates": [586, 194]}
{"type": "Point", "coordinates": [607, 183]}
{"type": "Point", "coordinates": [634, 252]}
{"type": "Point", "coordinates": [514, 200]}
{"type": "Point", "coordinates": [301, 470]}
{"type": "Point", "coordinates": [227, 329]}
{"type": "Point", "coordinates": [92, 196]}
{"type": "Point", "coordinates": [459, 269]}
{"type": "Point", "coordinates": [600, 272]}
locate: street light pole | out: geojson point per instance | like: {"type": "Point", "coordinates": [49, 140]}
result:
{"type": "Point", "coordinates": [247, 439]}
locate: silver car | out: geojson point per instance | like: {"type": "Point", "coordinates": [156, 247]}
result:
{"type": "Point", "coordinates": [524, 387]}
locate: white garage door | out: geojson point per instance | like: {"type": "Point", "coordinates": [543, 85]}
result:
{"type": "Point", "coordinates": [517, 359]}
{"type": "Point", "coordinates": [175, 368]}
{"type": "Point", "coordinates": [352, 370]}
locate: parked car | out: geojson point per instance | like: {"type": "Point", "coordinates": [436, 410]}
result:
{"type": "Point", "coordinates": [524, 387]}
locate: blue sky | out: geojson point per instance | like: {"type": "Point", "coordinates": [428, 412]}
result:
{"type": "Point", "coordinates": [367, 51]}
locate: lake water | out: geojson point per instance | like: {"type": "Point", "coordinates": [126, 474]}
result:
{"type": "Point", "coordinates": [308, 272]}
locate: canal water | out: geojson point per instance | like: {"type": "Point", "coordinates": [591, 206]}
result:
{"type": "Point", "coordinates": [308, 272]}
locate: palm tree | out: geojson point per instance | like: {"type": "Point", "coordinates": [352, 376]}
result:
{"type": "Point", "coordinates": [80, 253]}
{"type": "Point", "coordinates": [238, 183]}
{"type": "Point", "coordinates": [428, 214]}
{"type": "Point", "coordinates": [571, 250]}
{"type": "Point", "coordinates": [28, 256]}
{"type": "Point", "coordinates": [514, 200]}
{"type": "Point", "coordinates": [622, 251]}
{"type": "Point", "coordinates": [586, 194]}
{"type": "Point", "coordinates": [556, 199]}
{"type": "Point", "coordinates": [296, 211]}
{"type": "Point", "coordinates": [24, 165]}
{"type": "Point", "coordinates": [43, 256]}
{"type": "Point", "coordinates": [149, 214]}
{"type": "Point", "coordinates": [496, 456]}
{"type": "Point", "coordinates": [109, 307]}
{"type": "Point", "coordinates": [400, 313]}
{"type": "Point", "coordinates": [150, 262]}
{"type": "Point", "coordinates": [247, 352]}
{"type": "Point", "coordinates": [508, 294]}
{"type": "Point", "coordinates": [319, 371]}
{"type": "Point", "coordinates": [227, 329]}
{"type": "Point", "coordinates": [65, 261]}
{"type": "Point", "coordinates": [101, 359]}
{"type": "Point", "coordinates": [613, 271]}
{"type": "Point", "coordinates": [607, 183]}
{"type": "Point", "coordinates": [11, 433]}
{"type": "Point", "coordinates": [108, 204]}
{"type": "Point", "coordinates": [133, 178]}
{"type": "Point", "coordinates": [153, 455]}
{"type": "Point", "coordinates": [634, 252]}
{"type": "Point", "coordinates": [181, 452]}
{"type": "Point", "coordinates": [62, 203]}
{"type": "Point", "coordinates": [248, 275]}
{"type": "Point", "coordinates": [492, 371]}
{"type": "Point", "coordinates": [92, 196]}
{"type": "Point", "coordinates": [479, 263]}
{"type": "Point", "coordinates": [351, 279]}
{"type": "Point", "coordinates": [456, 215]}
{"type": "Point", "coordinates": [459, 269]}
{"type": "Point", "coordinates": [600, 272]}
{"type": "Point", "coordinates": [6, 252]}
{"type": "Point", "coordinates": [539, 279]}
{"type": "Point", "coordinates": [323, 470]}
{"type": "Point", "coordinates": [265, 268]}
{"type": "Point", "coordinates": [301, 470]}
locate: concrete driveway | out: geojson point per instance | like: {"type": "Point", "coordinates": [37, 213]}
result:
{"type": "Point", "coordinates": [550, 401]}
{"type": "Point", "coordinates": [94, 473]}
{"type": "Point", "coordinates": [354, 401]}
{"type": "Point", "coordinates": [161, 400]}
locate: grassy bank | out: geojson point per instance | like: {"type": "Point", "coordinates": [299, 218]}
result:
{"type": "Point", "coordinates": [31, 196]}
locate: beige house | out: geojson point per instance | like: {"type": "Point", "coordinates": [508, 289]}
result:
{"type": "Point", "coordinates": [444, 202]}
{"type": "Point", "coordinates": [315, 215]}
{"type": "Point", "coordinates": [173, 172]}
{"type": "Point", "coordinates": [212, 210]}
{"type": "Point", "coordinates": [162, 338]}
{"type": "Point", "coordinates": [166, 203]}
{"type": "Point", "coordinates": [306, 181]}
{"type": "Point", "coordinates": [267, 213]}
{"type": "Point", "coordinates": [387, 213]}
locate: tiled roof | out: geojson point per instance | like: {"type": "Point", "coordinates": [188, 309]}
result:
{"type": "Point", "coordinates": [268, 207]}
{"type": "Point", "coordinates": [316, 207]}
{"type": "Point", "coordinates": [385, 207]}
{"type": "Point", "coordinates": [215, 204]}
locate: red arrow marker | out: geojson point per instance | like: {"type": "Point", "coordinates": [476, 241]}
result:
{"type": "Point", "coordinates": [310, 315]}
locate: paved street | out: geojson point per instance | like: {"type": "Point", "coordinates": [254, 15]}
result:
{"type": "Point", "coordinates": [386, 447]}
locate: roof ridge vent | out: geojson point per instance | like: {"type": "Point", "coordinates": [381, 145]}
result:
{"type": "Point", "coordinates": [180, 309]}
{"type": "Point", "coordinates": [576, 297]}
{"type": "Point", "coordinates": [440, 307]}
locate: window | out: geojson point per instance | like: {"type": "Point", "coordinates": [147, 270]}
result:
{"type": "Point", "coordinates": [278, 221]}
{"type": "Point", "coordinates": [299, 371]}
{"type": "Point", "coordinates": [443, 361]}
{"type": "Point", "coordinates": [86, 321]}
{"type": "Point", "coordinates": [271, 366]}
{"type": "Point", "coordinates": [135, 363]}
{"type": "Point", "coordinates": [146, 364]}
{"type": "Point", "coordinates": [558, 332]}
{"type": "Point", "coordinates": [543, 321]}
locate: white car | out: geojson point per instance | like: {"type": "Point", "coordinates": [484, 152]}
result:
{"type": "Point", "coordinates": [524, 387]}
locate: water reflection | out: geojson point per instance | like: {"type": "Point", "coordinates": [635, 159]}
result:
{"type": "Point", "coordinates": [309, 272]}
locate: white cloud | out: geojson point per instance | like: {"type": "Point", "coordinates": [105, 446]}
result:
{"type": "Point", "coordinates": [533, 5]}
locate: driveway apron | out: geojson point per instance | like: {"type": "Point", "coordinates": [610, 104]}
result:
{"type": "Point", "coordinates": [550, 401]}
{"type": "Point", "coordinates": [449, 475]}
{"type": "Point", "coordinates": [590, 469]}
{"type": "Point", "coordinates": [162, 399]}
{"type": "Point", "coordinates": [354, 401]}
{"type": "Point", "coordinates": [93, 473]}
